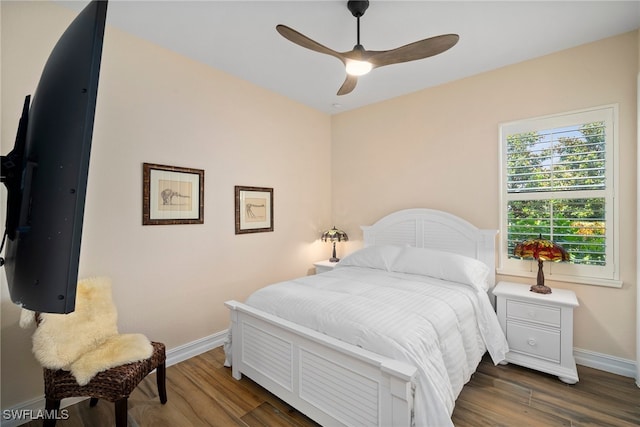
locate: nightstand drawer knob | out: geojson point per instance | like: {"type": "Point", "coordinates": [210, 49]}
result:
{"type": "Point", "coordinates": [532, 342]}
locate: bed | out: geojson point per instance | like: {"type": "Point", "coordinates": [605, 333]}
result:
{"type": "Point", "coordinates": [386, 338]}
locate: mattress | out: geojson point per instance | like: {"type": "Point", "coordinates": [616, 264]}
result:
{"type": "Point", "coordinates": [441, 327]}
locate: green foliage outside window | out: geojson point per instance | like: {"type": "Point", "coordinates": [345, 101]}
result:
{"type": "Point", "coordinates": [553, 182]}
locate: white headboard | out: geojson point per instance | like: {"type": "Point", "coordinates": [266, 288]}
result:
{"type": "Point", "coordinates": [428, 228]}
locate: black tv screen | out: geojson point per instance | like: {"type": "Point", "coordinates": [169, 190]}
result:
{"type": "Point", "coordinates": [46, 172]}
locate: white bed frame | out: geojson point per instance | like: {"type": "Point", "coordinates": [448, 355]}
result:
{"type": "Point", "coordinates": [330, 381]}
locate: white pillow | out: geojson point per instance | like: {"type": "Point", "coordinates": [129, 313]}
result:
{"type": "Point", "coordinates": [443, 265]}
{"type": "Point", "coordinates": [379, 257]}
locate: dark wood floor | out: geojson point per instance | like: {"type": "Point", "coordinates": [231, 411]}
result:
{"type": "Point", "coordinates": [201, 392]}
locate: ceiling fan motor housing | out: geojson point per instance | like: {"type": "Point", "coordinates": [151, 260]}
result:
{"type": "Point", "coordinates": [358, 8]}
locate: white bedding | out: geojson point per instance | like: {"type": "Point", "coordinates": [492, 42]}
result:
{"type": "Point", "coordinates": [441, 327]}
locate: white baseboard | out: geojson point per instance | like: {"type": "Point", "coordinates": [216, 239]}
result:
{"type": "Point", "coordinates": [194, 348]}
{"type": "Point", "coordinates": [24, 412]}
{"type": "Point", "coordinates": [605, 362]}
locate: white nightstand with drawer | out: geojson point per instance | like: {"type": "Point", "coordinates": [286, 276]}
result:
{"type": "Point", "coordinates": [539, 328]}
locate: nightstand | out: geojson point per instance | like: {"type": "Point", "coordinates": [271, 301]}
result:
{"type": "Point", "coordinates": [324, 266]}
{"type": "Point", "coordinates": [539, 328]}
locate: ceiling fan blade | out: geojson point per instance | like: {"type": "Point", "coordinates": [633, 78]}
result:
{"type": "Point", "coordinates": [413, 51]}
{"type": "Point", "coordinates": [348, 85]}
{"type": "Point", "coordinates": [304, 41]}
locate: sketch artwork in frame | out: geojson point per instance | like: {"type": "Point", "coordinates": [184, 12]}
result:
{"type": "Point", "coordinates": [172, 195]}
{"type": "Point", "coordinates": [254, 209]}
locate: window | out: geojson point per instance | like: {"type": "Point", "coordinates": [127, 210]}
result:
{"type": "Point", "coordinates": [559, 181]}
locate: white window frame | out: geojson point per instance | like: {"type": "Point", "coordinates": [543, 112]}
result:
{"type": "Point", "coordinates": [608, 275]}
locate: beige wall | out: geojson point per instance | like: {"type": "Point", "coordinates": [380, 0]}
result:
{"type": "Point", "coordinates": [638, 222]}
{"type": "Point", "coordinates": [438, 148]}
{"type": "Point", "coordinates": [170, 282]}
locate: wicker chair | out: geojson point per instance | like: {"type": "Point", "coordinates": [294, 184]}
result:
{"type": "Point", "coordinates": [65, 345]}
{"type": "Point", "coordinates": [114, 385]}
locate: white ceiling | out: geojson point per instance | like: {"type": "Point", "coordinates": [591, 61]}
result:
{"type": "Point", "coordinates": [239, 37]}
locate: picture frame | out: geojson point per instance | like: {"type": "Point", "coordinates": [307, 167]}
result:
{"type": "Point", "coordinates": [172, 195]}
{"type": "Point", "coordinates": [254, 209]}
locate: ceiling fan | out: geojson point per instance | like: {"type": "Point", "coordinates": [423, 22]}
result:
{"type": "Point", "coordinates": [360, 61]}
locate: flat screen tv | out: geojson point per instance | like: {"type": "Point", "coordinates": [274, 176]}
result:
{"type": "Point", "coordinates": [46, 172]}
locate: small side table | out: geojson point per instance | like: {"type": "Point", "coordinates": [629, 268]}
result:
{"type": "Point", "coordinates": [539, 328]}
{"type": "Point", "coordinates": [324, 266]}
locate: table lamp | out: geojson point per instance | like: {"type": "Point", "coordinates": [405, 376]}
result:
{"type": "Point", "coordinates": [334, 235]}
{"type": "Point", "coordinates": [541, 250]}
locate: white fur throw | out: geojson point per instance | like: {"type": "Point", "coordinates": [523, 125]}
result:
{"type": "Point", "coordinates": [86, 341]}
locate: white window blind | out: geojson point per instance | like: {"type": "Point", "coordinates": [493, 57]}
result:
{"type": "Point", "coordinates": [558, 182]}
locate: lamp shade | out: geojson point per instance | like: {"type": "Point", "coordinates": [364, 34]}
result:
{"type": "Point", "coordinates": [334, 235]}
{"type": "Point", "coordinates": [540, 249]}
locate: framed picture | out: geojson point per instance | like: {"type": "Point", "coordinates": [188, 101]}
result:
{"type": "Point", "coordinates": [172, 195]}
{"type": "Point", "coordinates": [254, 209]}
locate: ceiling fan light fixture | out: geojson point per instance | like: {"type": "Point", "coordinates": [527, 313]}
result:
{"type": "Point", "coordinates": [358, 68]}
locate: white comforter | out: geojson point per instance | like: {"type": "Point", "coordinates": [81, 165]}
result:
{"type": "Point", "coordinates": [442, 328]}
